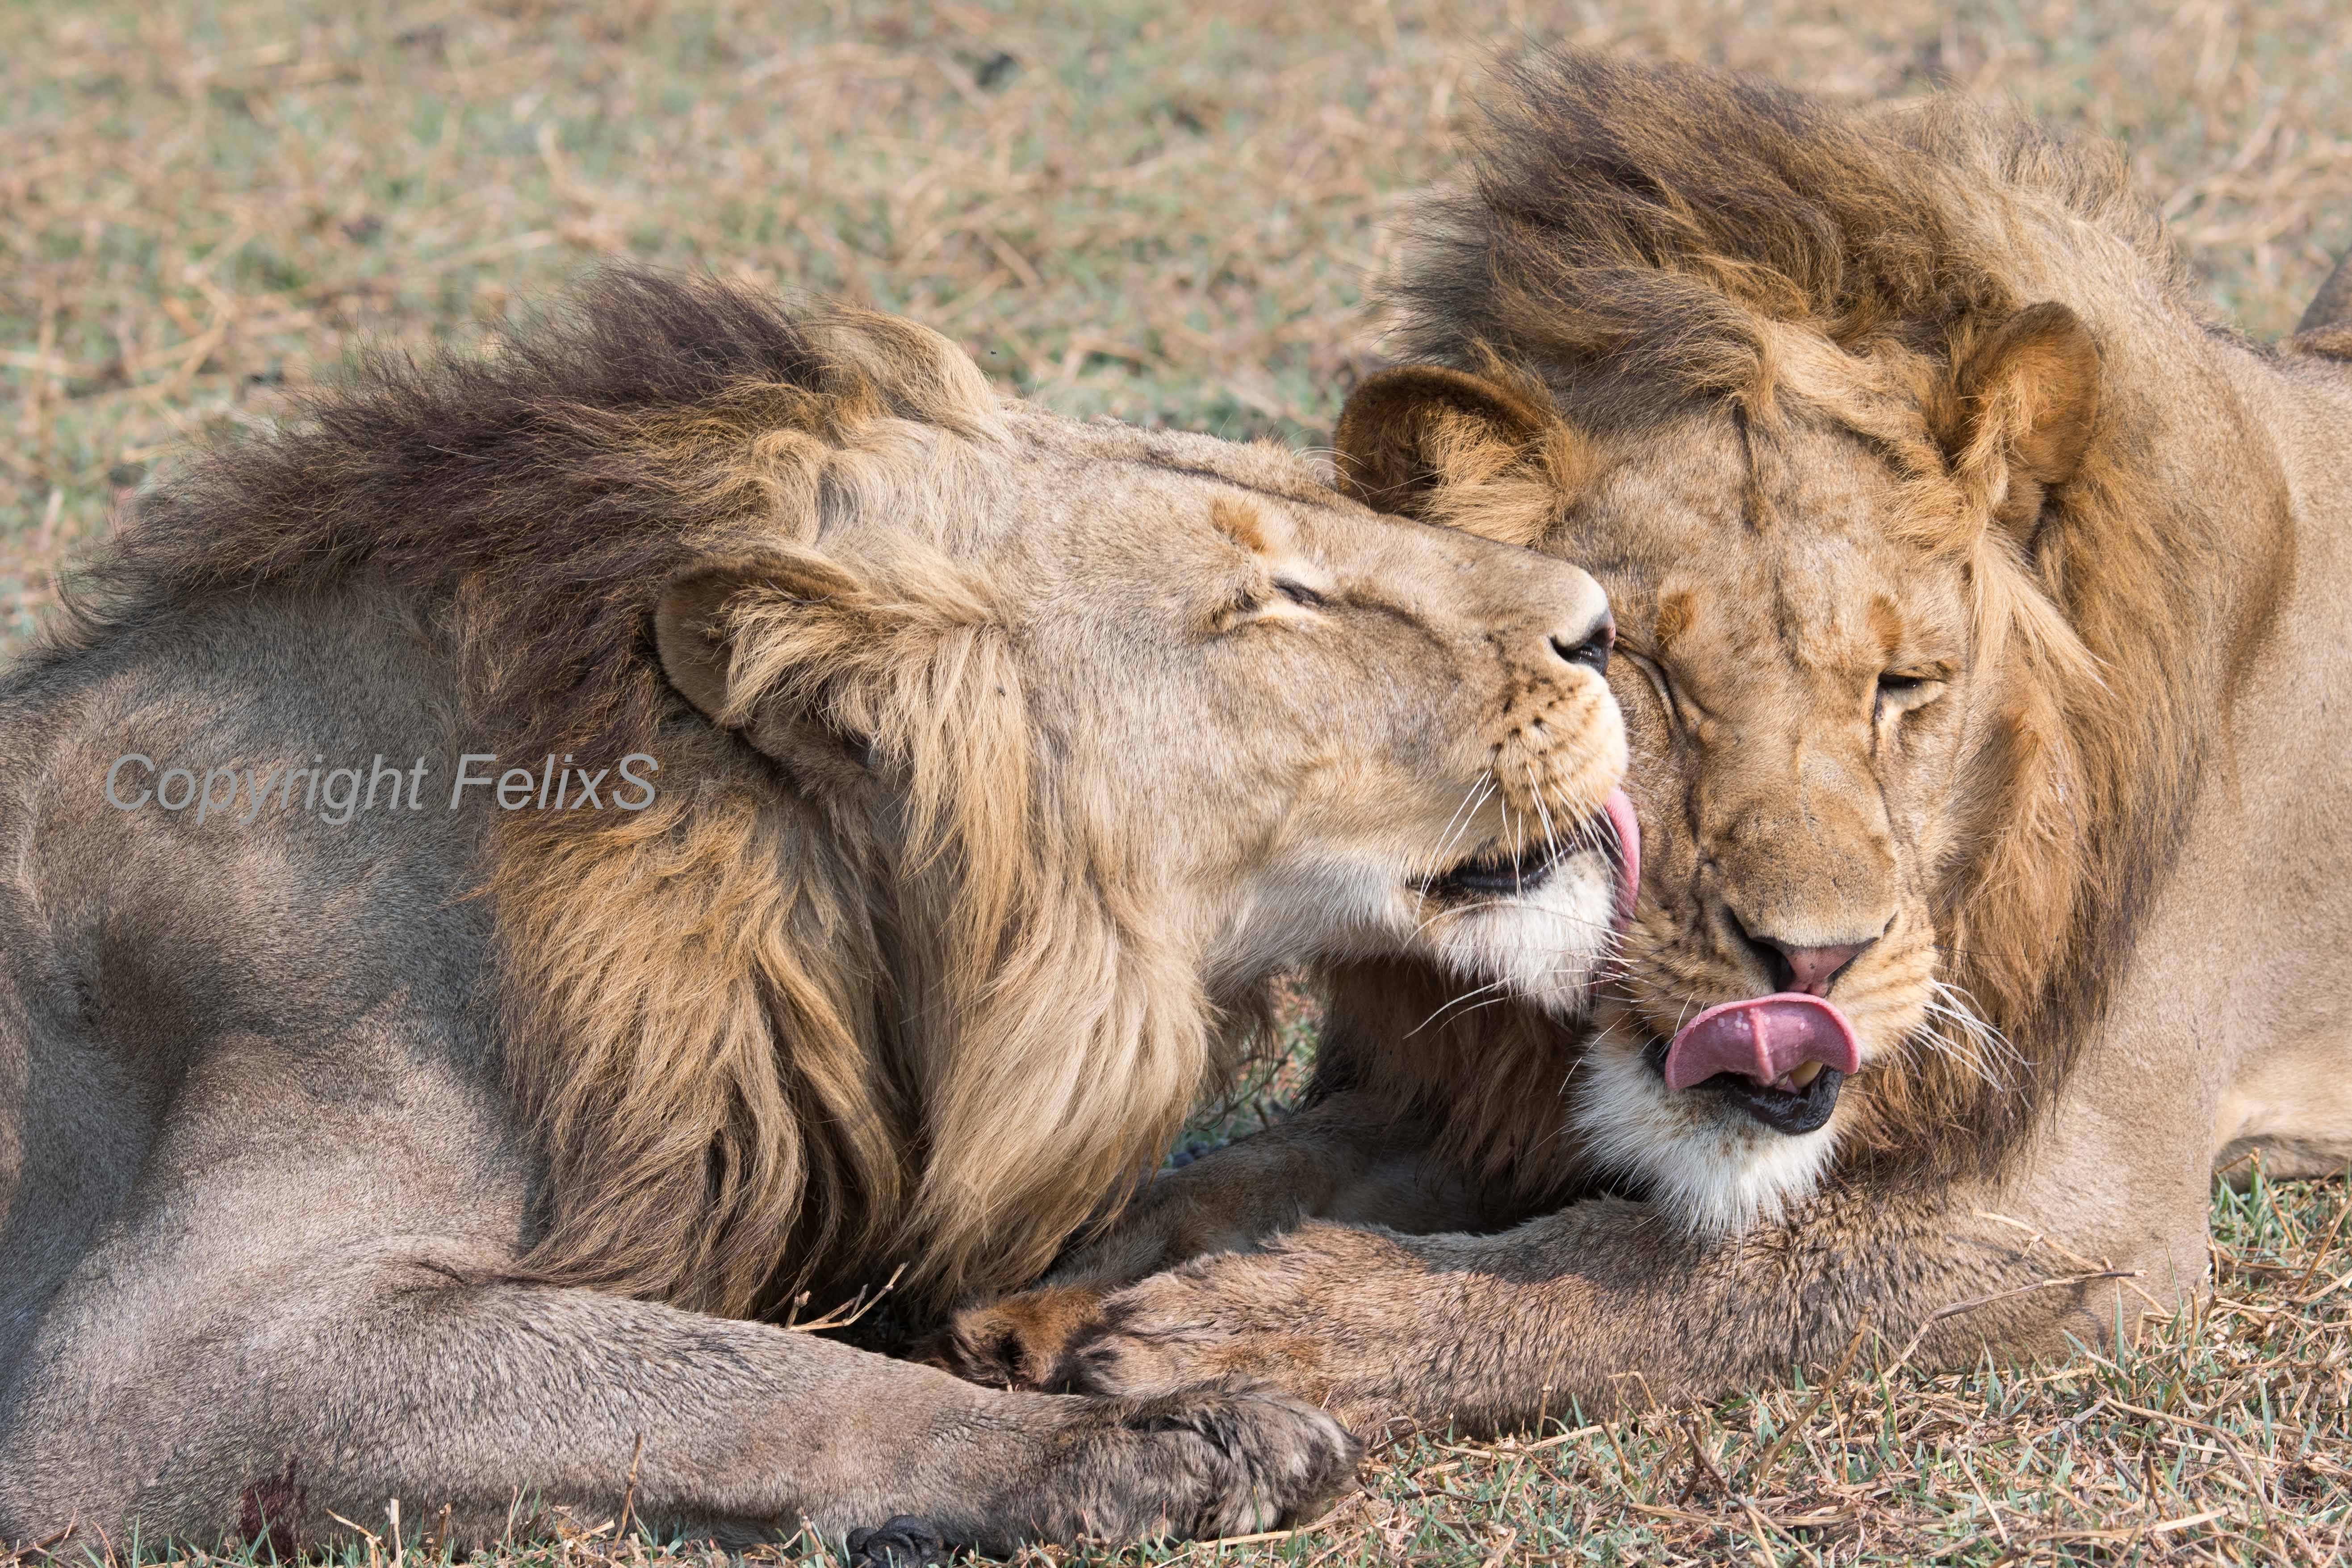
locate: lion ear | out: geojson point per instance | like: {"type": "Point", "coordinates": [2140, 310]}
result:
{"type": "Point", "coordinates": [1484, 454]}
{"type": "Point", "coordinates": [761, 645]}
{"type": "Point", "coordinates": [2026, 398]}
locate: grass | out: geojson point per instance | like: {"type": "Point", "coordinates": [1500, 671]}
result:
{"type": "Point", "coordinates": [1169, 213]}
{"type": "Point", "coordinates": [2221, 1438]}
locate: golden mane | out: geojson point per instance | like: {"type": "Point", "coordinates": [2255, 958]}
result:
{"type": "Point", "coordinates": [756, 1057]}
{"type": "Point", "coordinates": [1640, 238]}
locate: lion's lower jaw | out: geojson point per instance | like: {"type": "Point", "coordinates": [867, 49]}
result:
{"type": "Point", "coordinates": [1707, 1165]}
{"type": "Point", "coordinates": [1543, 947]}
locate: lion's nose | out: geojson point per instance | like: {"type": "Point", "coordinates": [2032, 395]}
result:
{"type": "Point", "coordinates": [1809, 970]}
{"type": "Point", "coordinates": [1812, 970]}
{"type": "Point", "coordinates": [1590, 646]}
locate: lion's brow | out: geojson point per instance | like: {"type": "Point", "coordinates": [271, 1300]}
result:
{"type": "Point", "coordinates": [1240, 522]}
{"type": "Point", "coordinates": [1299, 497]}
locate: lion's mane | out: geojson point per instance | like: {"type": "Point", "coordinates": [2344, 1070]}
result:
{"type": "Point", "coordinates": [702, 1008]}
{"type": "Point", "coordinates": [1640, 238]}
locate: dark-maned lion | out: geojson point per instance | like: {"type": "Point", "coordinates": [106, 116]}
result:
{"type": "Point", "coordinates": [1982, 603]}
{"type": "Point", "coordinates": [513, 879]}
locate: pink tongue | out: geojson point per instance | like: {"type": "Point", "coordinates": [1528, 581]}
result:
{"type": "Point", "coordinates": [1629, 855]}
{"type": "Point", "coordinates": [1763, 1037]}
{"type": "Point", "coordinates": [1620, 811]}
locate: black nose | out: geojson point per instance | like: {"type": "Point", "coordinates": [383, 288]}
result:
{"type": "Point", "coordinates": [1589, 647]}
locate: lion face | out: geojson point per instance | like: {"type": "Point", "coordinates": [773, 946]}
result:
{"type": "Point", "coordinates": [1329, 734]}
{"type": "Point", "coordinates": [1796, 688]}
{"type": "Point", "coordinates": [1822, 734]}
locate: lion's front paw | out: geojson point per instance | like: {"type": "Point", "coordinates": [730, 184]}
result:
{"type": "Point", "coordinates": [1192, 1328]}
{"type": "Point", "coordinates": [1191, 1464]}
{"type": "Point", "coordinates": [1270, 1463]}
{"type": "Point", "coordinates": [1326, 1316]}
{"type": "Point", "coordinates": [1017, 1342]}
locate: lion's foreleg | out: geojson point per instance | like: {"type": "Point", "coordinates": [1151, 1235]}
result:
{"type": "Point", "coordinates": [1598, 1309]}
{"type": "Point", "coordinates": [298, 1400]}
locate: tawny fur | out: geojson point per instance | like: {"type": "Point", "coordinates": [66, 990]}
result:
{"type": "Point", "coordinates": [1910, 391]}
{"type": "Point", "coordinates": [996, 761]}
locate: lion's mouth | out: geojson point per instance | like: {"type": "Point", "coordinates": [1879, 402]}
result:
{"type": "Point", "coordinates": [1781, 1058]}
{"type": "Point", "coordinates": [1492, 876]}
{"type": "Point", "coordinates": [1611, 831]}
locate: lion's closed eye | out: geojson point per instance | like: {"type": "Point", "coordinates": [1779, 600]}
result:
{"type": "Point", "coordinates": [1899, 692]}
{"type": "Point", "coordinates": [1283, 600]}
{"type": "Point", "coordinates": [1655, 674]}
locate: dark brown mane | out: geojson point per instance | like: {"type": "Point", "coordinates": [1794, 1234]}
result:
{"type": "Point", "coordinates": [1629, 230]}
{"type": "Point", "coordinates": [548, 489]}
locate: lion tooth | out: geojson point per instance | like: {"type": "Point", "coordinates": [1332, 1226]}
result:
{"type": "Point", "coordinates": [1805, 1074]}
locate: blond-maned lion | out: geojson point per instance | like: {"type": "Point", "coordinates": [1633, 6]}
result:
{"type": "Point", "coordinates": [1980, 604]}
{"type": "Point", "coordinates": [516, 878]}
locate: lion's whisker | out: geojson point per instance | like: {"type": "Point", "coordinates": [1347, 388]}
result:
{"type": "Point", "coordinates": [1464, 813]}
{"type": "Point", "coordinates": [1534, 795]}
{"type": "Point", "coordinates": [1451, 1002]}
{"type": "Point", "coordinates": [1969, 1040]}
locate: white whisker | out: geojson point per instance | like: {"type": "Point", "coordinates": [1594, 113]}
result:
{"type": "Point", "coordinates": [1535, 793]}
{"type": "Point", "coordinates": [1452, 1002]}
{"type": "Point", "coordinates": [1965, 1036]}
{"type": "Point", "coordinates": [1464, 813]}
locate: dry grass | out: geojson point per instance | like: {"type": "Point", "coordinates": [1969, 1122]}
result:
{"type": "Point", "coordinates": [1168, 214]}
{"type": "Point", "coordinates": [2222, 1437]}
{"type": "Point", "coordinates": [1165, 212]}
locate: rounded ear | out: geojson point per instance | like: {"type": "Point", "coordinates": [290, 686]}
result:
{"type": "Point", "coordinates": [694, 629]}
{"type": "Point", "coordinates": [2028, 395]}
{"type": "Point", "coordinates": [1484, 454]}
{"type": "Point", "coordinates": [715, 631]}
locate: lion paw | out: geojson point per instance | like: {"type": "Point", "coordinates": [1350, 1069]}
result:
{"type": "Point", "coordinates": [1041, 1468]}
{"type": "Point", "coordinates": [1019, 1342]}
{"type": "Point", "coordinates": [1208, 1464]}
{"type": "Point", "coordinates": [1181, 1331]}
{"type": "Point", "coordinates": [1327, 1315]}
{"type": "Point", "coordinates": [904, 1541]}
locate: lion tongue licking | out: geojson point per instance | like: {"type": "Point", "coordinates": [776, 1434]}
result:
{"type": "Point", "coordinates": [1629, 857]}
{"type": "Point", "coordinates": [1763, 1037]}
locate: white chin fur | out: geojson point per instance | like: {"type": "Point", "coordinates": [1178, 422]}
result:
{"type": "Point", "coordinates": [1712, 1168]}
{"type": "Point", "coordinates": [1541, 946]}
